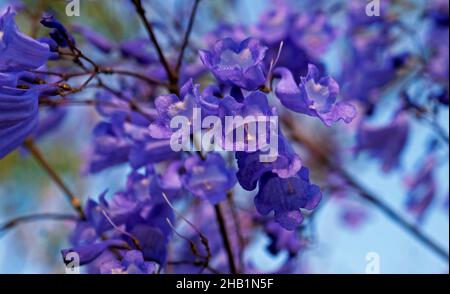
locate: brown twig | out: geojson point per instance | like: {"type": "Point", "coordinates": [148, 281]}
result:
{"type": "Point", "coordinates": [148, 26]}
{"type": "Point", "coordinates": [187, 35]}
{"type": "Point", "coordinates": [323, 157]}
{"type": "Point", "coordinates": [36, 217]}
{"type": "Point", "coordinates": [240, 236]}
{"type": "Point", "coordinates": [225, 239]}
{"type": "Point", "coordinates": [37, 154]}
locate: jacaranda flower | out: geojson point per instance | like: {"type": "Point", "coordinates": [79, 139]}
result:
{"type": "Point", "coordinates": [286, 197]}
{"type": "Point", "coordinates": [286, 165]}
{"type": "Point", "coordinates": [94, 38]}
{"type": "Point", "coordinates": [314, 96]}
{"type": "Point", "coordinates": [19, 52]}
{"type": "Point", "coordinates": [132, 263]}
{"type": "Point", "coordinates": [208, 179]}
{"type": "Point", "coordinates": [384, 142]}
{"type": "Point", "coordinates": [58, 32]}
{"type": "Point", "coordinates": [239, 64]}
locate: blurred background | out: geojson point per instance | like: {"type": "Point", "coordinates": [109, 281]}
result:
{"type": "Point", "coordinates": [340, 245]}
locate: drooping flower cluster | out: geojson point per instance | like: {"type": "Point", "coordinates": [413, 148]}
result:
{"type": "Point", "coordinates": [198, 207]}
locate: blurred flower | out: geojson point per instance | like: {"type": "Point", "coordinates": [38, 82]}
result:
{"type": "Point", "coordinates": [386, 142]}
{"type": "Point", "coordinates": [283, 239]}
{"type": "Point", "coordinates": [422, 188]}
{"type": "Point", "coordinates": [94, 38]}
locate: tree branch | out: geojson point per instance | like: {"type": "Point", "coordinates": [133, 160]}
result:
{"type": "Point", "coordinates": [36, 217]}
{"type": "Point", "coordinates": [225, 239]}
{"type": "Point", "coordinates": [322, 156]}
{"type": "Point", "coordinates": [37, 154]}
{"type": "Point", "coordinates": [173, 79]}
{"type": "Point", "coordinates": [186, 36]}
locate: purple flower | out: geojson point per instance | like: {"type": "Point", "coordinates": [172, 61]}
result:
{"type": "Point", "coordinates": [19, 52]}
{"type": "Point", "coordinates": [18, 116]}
{"type": "Point", "coordinates": [225, 30]}
{"type": "Point", "coordinates": [208, 179]}
{"type": "Point", "coordinates": [132, 263]}
{"type": "Point", "coordinates": [353, 216]}
{"type": "Point", "coordinates": [239, 64]}
{"type": "Point", "coordinates": [87, 253]}
{"type": "Point", "coordinates": [274, 25]}
{"type": "Point", "coordinates": [134, 219]}
{"type": "Point", "coordinates": [282, 239]}
{"type": "Point", "coordinates": [385, 142]}
{"type": "Point", "coordinates": [287, 164]}
{"type": "Point", "coordinates": [94, 38]}
{"type": "Point", "coordinates": [58, 32]}
{"type": "Point", "coordinates": [111, 147]}
{"type": "Point", "coordinates": [314, 96]}
{"type": "Point", "coordinates": [150, 150]}
{"type": "Point", "coordinates": [168, 106]}
{"type": "Point", "coordinates": [254, 106]}
{"type": "Point", "coordinates": [138, 50]}
{"type": "Point", "coordinates": [312, 33]}
{"type": "Point", "coordinates": [286, 197]}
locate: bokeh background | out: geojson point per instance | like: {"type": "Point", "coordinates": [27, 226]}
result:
{"type": "Point", "coordinates": [338, 247]}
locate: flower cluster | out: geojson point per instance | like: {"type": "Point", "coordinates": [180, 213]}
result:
{"type": "Point", "coordinates": [198, 210]}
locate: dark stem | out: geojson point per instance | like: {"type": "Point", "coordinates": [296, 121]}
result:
{"type": "Point", "coordinates": [67, 102]}
{"type": "Point", "coordinates": [322, 156]}
{"type": "Point", "coordinates": [186, 36]}
{"type": "Point", "coordinates": [173, 79]}
{"type": "Point", "coordinates": [37, 217]}
{"type": "Point", "coordinates": [37, 154]}
{"type": "Point", "coordinates": [225, 239]}
{"type": "Point", "coordinates": [240, 236]}
{"type": "Point", "coordinates": [149, 80]}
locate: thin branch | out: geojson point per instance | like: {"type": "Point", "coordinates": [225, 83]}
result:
{"type": "Point", "coordinates": [148, 26]}
{"type": "Point", "coordinates": [149, 80]}
{"type": "Point", "coordinates": [68, 102]}
{"type": "Point", "coordinates": [194, 263]}
{"type": "Point", "coordinates": [322, 156]}
{"type": "Point", "coordinates": [240, 236]}
{"type": "Point", "coordinates": [225, 239]}
{"type": "Point", "coordinates": [36, 217]}
{"type": "Point", "coordinates": [414, 230]}
{"type": "Point", "coordinates": [187, 35]}
{"type": "Point", "coordinates": [37, 154]}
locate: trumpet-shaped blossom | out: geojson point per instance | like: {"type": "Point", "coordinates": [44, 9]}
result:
{"type": "Point", "coordinates": [239, 64]}
{"type": "Point", "coordinates": [314, 96]}
{"type": "Point", "coordinates": [18, 52]}
{"type": "Point", "coordinates": [58, 31]}
{"type": "Point", "coordinates": [132, 263]}
{"type": "Point", "coordinates": [208, 179]}
{"type": "Point", "coordinates": [286, 165]}
{"type": "Point", "coordinates": [285, 197]}
{"type": "Point", "coordinates": [18, 117]}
